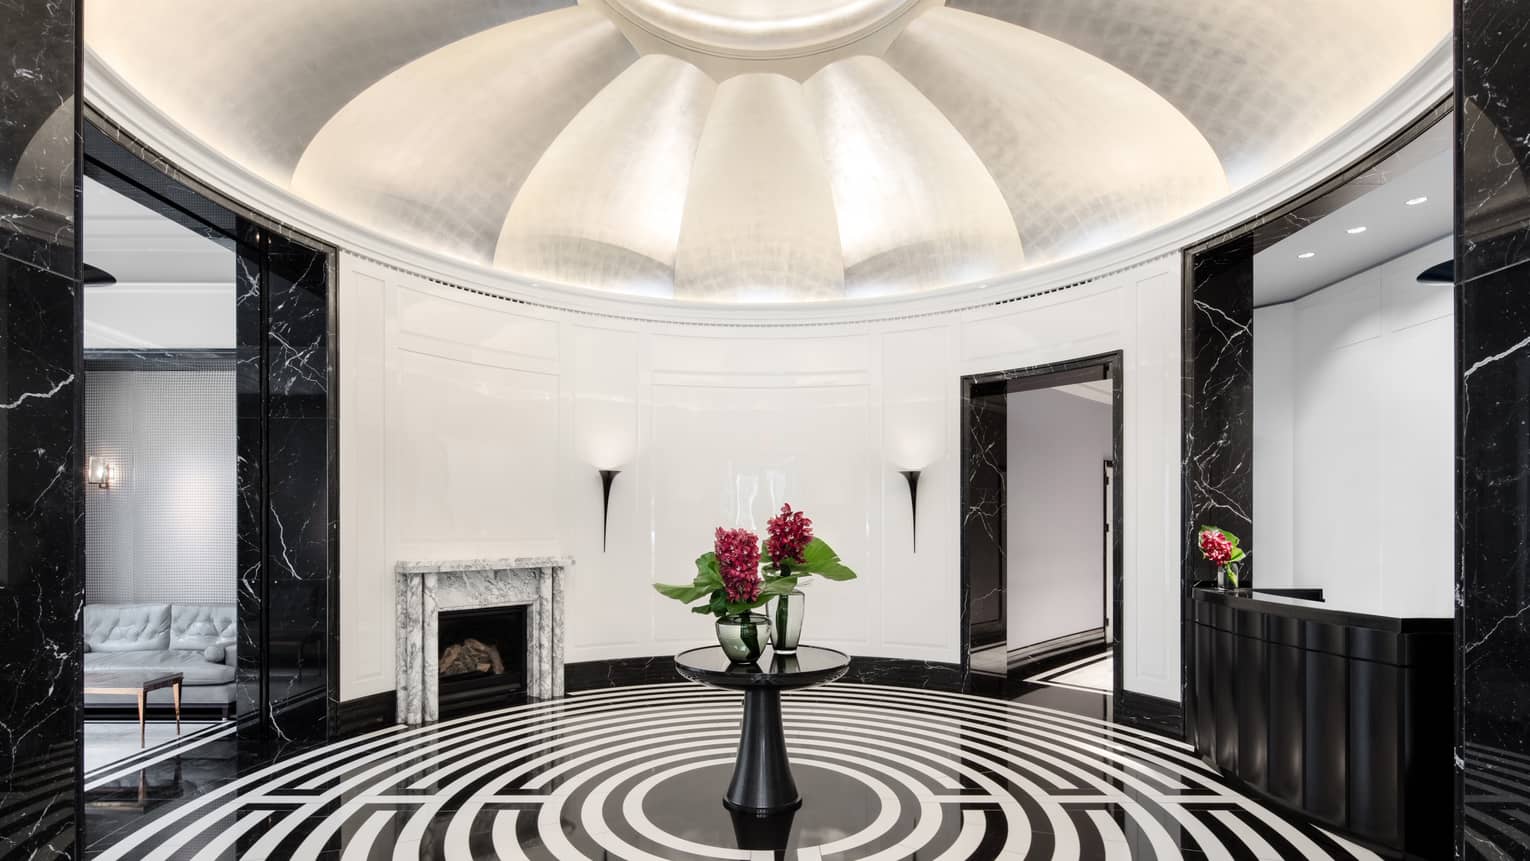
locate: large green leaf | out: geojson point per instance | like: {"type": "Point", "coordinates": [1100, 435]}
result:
{"type": "Point", "coordinates": [819, 558]}
{"type": "Point", "coordinates": [707, 581]}
{"type": "Point", "coordinates": [779, 586]}
{"type": "Point", "coordinates": [683, 594]}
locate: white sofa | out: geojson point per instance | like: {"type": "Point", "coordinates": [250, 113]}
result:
{"type": "Point", "coordinates": [195, 640]}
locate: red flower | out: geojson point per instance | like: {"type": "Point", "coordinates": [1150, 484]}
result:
{"type": "Point", "coordinates": [790, 532]}
{"type": "Point", "coordinates": [1216, 547]}
{"type": "Point", "coordinates": [738, 561]}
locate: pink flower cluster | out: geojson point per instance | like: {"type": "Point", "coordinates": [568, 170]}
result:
{"type": "Point", "coordinates": [1216, 547]}
{"type": "Point", "coordinates": [790, 532]}
{"type": "Point", "coordinates": [738, 561]}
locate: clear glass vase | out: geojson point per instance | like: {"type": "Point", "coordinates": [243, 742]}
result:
{"type": "Point", "coordinates": [743, 637]}
{"type": "Point", "coordinates": [1228, 576]}
{"type": "Point", "coordinates": [786, 622]}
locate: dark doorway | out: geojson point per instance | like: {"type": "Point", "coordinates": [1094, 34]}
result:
{"type": "Point", "coordinates": [985, 511]}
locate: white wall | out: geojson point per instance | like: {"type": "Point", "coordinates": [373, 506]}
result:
{"type": "Point", "coordinates": [1054, 516]}
{"type": "Point", "coordinates": [1354, 428]}
{"type": "Point", "coordinates": [474, 426]}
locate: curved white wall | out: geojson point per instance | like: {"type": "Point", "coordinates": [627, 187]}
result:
{"type": "Point", "coordinates": [474, 426]}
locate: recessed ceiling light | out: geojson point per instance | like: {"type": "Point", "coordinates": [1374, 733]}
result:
{"type": "Point", "coordinates": [1415, 201]}
{"type": "Point", "coordinates": [1354, 230]}
{"type": "Point", "coordinates": [1306, 254]}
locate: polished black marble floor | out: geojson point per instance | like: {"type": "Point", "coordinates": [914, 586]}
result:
{"type": "Point", "coordinates": [637, 772]}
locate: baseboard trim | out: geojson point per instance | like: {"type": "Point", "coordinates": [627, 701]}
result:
{"type": "Point", "coordinates": [1154, 714]}
{"type": "Point", "coordinates": [1037, 652]}
{"type": "Point", "coordinates": [363, 714]}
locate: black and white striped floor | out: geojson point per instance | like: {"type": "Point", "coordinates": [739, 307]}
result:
{"type": "Point", "coordinates": [638, 773]}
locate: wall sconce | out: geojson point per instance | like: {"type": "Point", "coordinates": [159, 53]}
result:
{"type": "Point", "coordinates": [606, 477]}
{"type": "Point", "coordinates": [912, 477]}
{"type": "Point", "coordinates": [100, 472]}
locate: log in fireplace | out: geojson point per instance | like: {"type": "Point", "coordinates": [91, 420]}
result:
{"type": "Point", "coordinates": [482, 662]}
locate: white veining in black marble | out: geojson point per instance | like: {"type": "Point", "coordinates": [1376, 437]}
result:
{"type": "Point", "coordinates": [1493, 425]}
{"type": "Point", "coordinates": [41, 579]}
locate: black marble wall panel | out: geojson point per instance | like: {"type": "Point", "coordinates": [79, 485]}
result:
{"type": "Point", "coordinates": [288, 526]}
{"type": "Point", "coordinates": [249, 323]}
{"type": "Point", "coordinates": [41, 471]}
{"type": "Point", "coordinates": [1493, 425]}
{"type": "Point", "coordinates": [1219, 400]}
{"type": "Point", "coordinates": [300, 526]}
{"type": "Point", "coordinates": [983, 512]}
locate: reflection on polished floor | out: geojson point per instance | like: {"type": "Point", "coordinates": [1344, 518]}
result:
{"type": "Point", "coordinates": [638, 772]}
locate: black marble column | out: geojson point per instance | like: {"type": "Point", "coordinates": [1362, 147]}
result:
{"type": "Point", "coordinates": [1493, 424]}
{"type": "Point", "coordinates": [41, 581]}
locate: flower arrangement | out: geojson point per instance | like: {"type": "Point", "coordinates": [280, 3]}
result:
{"type": "Point", "coordinates": [1220, 547]}
{"type": "Point", "coordinates": [736, 577]}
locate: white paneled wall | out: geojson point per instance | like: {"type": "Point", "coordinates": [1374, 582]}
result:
{"type": "Point", "coordinates": [1354, 447]}
{"type": "Point", "coordinates": [474, 426]}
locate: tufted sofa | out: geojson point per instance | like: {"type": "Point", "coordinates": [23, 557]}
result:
{"type": "Point", "coordinates": [196, 640]}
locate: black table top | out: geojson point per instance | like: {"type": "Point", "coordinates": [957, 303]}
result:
{"type": "Point", "coordinates": [812, 665]}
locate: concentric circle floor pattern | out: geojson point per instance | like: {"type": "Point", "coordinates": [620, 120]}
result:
{"type": "Point", "coordinates": [638, 773]}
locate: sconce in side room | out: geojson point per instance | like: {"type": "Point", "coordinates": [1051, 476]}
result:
{"type": "Point", "coordinates": [912, 477]}
{"type": "Point", "coordinates": [100, 472]}
{"type": "Point", "coordinates": [606, 477]}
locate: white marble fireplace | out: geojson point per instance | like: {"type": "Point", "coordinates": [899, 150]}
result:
{"type": "Point", "coordinates": [425, 589]}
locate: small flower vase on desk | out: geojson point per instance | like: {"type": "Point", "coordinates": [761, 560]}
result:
{"type": "Point", "coordinates": [1227, 576]}
{"type": "Point", "coordinates": [1220, 548]}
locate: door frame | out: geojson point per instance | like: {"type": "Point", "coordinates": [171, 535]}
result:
{"type": "Point", "coordinates": [1085, 369]}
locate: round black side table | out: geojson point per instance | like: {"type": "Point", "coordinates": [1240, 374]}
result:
{"type": "Point", "coordinates": [762, 775]}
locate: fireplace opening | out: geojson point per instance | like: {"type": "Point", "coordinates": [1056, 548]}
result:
{"type": "Point", "coordinates": [482, 661]}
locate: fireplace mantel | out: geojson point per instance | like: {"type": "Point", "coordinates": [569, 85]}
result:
{"type": "Point", "coordinates": [426, 588]}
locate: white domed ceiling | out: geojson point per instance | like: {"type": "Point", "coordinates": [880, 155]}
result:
{"type": "Point", "coordinates": [745, 150]}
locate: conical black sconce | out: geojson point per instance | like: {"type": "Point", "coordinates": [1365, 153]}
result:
{"type": "Point", "coordinates": [606, 477]}
{"type": "Point", "coordinates": [912, 476]}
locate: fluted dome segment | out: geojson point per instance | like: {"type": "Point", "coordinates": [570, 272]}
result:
{"type": "Point", "coordinates": [733, 150]}
{"type": "Point", "coordinates": [759, 222]}
{"type": "Point", "coordinates": [882, 141]}
{"type": "Point", "coordinates": [604, 204]}
{"type": "Point", "coordinates": [1074, 180]}
{"type": "Point", "coordinates": [1282, 74]}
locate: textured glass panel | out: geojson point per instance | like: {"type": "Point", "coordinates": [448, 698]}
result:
{"type": "Point", "coordinates": [164, 530]}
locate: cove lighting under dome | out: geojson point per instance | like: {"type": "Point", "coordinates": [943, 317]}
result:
{"type": "Point", "coordinates": [733, 150]}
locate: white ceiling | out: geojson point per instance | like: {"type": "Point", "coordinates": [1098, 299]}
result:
{"type": "Point", "coordinates": [730, 150]}
{"type": "Point", "coordinates": [1392, 227]}
{"type": "Point", "coordinates": [174, 288]}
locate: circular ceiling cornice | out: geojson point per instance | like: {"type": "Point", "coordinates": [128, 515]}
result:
{"type": "Point", "coordinates": [730, 28]}
{"type": "Point", "coordinates": [1425, 86]}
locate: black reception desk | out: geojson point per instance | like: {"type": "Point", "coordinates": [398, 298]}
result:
{"type": "Point", "coordinates": [1345, 717]}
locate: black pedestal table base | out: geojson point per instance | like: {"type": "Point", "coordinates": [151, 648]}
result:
{"type": "Point", "coordinates": [762, 775]}
{"type": "Point", "coordinates": [762, 783]}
